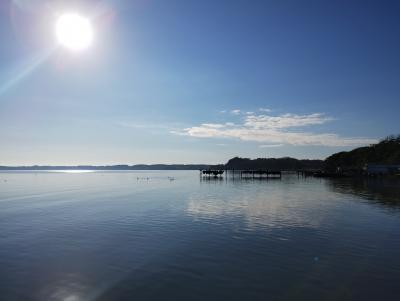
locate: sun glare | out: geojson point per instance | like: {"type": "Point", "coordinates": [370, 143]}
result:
{"type": "Point", "coordinates": [74, 31]}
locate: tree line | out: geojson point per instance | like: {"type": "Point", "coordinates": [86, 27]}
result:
{"type": "Point", "coordinates": [387, 151]}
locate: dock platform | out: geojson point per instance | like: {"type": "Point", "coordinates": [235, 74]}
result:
{"type": "Point", "coordinates": [260, 173]}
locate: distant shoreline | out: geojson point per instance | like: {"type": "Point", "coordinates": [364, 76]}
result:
{"type": "Point", "coordinates": [236, 163]}
{"type": "Point", "coordinates": [111, 167]}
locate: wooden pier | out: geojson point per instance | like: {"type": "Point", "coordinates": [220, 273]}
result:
{"type": "Point", "coordinates": [306, 173]}
{"type": "Point", "coordinates": [242, 174]}
{"type": "Point", "coordinates": [261, 174]}
{"type": "Point", "coordinates": [212, 173]}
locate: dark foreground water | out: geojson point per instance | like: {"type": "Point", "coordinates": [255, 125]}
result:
{"type": "Point", "coordinates": [121, 236]}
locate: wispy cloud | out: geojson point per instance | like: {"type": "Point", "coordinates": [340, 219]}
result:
{"type": "Point", "coordinates": [276, 130]}
{"type": "Point", "coordinates": [213, 125]}
{"type": "Point", "coordinates": [285, 120]}
{"type": "Point", "coordinates": [235, 112]}
{"type": "Point", "coordinates": [151, 127]}
{"type": "Point", "coordinates": [264, 110]}
{"type": "Point", "coordinates": [270, 145]}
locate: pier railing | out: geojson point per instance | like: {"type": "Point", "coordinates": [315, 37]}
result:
{"type": "Point", "coordinates": [212, 172]}
{"type": "Point", "coordinates": [259, 173]}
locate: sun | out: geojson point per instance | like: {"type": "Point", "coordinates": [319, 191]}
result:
{"type": "Point", "coordinates": [74, 32]}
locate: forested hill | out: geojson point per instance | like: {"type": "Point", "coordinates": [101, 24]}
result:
{"type": "Point", "coordinates": [273, 164]}
{"type": "Point", "coordinates": [386, 151]}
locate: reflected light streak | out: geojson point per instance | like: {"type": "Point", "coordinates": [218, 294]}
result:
{"type": "Point", "coordinates": [24, 72]}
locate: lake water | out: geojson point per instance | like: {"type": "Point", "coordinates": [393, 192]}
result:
{"type": "Point", "coordinates": [143, 236]}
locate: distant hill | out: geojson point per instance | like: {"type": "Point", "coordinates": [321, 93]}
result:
{"type": "Point", "coordinates": [285, 163]}
{"type": "Point", "coordinates": [387, 151]}
{"type": "Point", "coordinates": [234, 163]}
{"type": "Point", "coordinates": [113, 167]}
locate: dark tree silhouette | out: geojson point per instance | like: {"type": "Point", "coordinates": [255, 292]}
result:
{"type": "Point", "coordinates": [387, 151]}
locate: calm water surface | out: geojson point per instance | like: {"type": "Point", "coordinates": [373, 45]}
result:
{"type": "Point", "coordinates": [143, 236]}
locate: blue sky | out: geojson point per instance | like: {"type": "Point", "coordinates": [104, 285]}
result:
{"type": "Point", "coordinates": [197, 81]}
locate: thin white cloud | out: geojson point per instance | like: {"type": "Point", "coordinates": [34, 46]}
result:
{"type": "Point", "coordinates": [264, 110]}
{"type": "Point", "coordinates": [270, 145]}
{"type": "Point", "coordinates": [235, 112]}
{"type": "Point", "coordinates": [285, 120]}
{"type": "Point", "coordinates": [275, 130]}
{"type": "Point", "coordinates": [173, 127]}
{"type": "Point", "coordinates": [213, 125]}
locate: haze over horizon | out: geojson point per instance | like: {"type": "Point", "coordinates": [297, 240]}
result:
{"type": "Point", "coordinates": [189, 82]}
